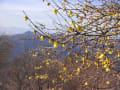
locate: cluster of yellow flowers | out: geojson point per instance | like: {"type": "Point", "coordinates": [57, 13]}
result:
{"type": "Point", "coordinates": [82, 30]}
{"type": "Point", "coordinates": [41, 76]}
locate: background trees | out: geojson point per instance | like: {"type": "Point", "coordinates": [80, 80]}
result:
{"type": "Point", "coordinates": [5, 48]}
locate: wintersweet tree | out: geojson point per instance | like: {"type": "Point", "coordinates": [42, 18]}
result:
{"type": "Point", "coordinates": [89, 30]}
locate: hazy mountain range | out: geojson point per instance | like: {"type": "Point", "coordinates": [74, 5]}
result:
{"type": "Point", "coordinates": [21, 46]}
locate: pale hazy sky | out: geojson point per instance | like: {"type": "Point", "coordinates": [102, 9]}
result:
{"type": "Point", "coordinates": [12, 17]}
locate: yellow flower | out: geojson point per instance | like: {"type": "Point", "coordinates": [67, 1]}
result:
{"type": "Point", "coordinates": [117, 15]}
{"type": "Point", "coordinates": [119, 23]}
{"type": "Point", "coordinates": [78, 27]}
{"type": "Point", "coordinates": [109, 13]}
{"type": "Point", "coordinates": [70, 29]}
{"type": "Point", "coordinates": [114, 32]}
{"type": "Point", "coordinates": [64, 69]}
{"type": "Point", "coordinates": [77, 56]}
{"type": "Point", "coordinates": [53, 88]}
{"type": "Point", "coordinates": [47, 63]}
{"type": "Point", "coordinates": [96, 17]}
{"type": "Point", "coordinates": [86, 84]}
{"type": "Point", "coordinates": [65, 0]}
{"type": "Point", "coordinates": [86, 51]}
{"type": "Point", "coordinates": [82, 29]}
{"type": "Point", "coordinates": [96, 10]}
{"type": "Point", "coordinates": [37, 68]}
{"type": "Point", "coordinates": [107, 69]}
{"type": "Point", "coordinates": [66, 35]}
{"type": "Point", "coordinates": [42, 38]}
{"type": "Point", "coordinates": [48, 4]}
{"type": "Point", "coordinates": [55, 44]}
{"type": "Point", "coordinates": [48, 53]}
{"type": "Point", "coordinates": [50, 41]}
{"type": "Point", "coordinates": [107, 82]}
{"type": "Point", "coordinates": [63, 45]}
{"type": "Point", "coordinates": [77, 73]}
{"type": "Point", "coordinates": [64, 8]}
{"type": "Point", "coordinates": [72, 23]}
{"type": "Point", "coordinates": [101, 56]}
{"type": "Point", "coordinates": [45, 76]}
{"type": "Point", "coordinates": [108, 37]}
{"type": "Point", "coordinates": [53, 81]}
{"type": "Point", "coordinates": [25, 18]}
{"type": "Point", "coordinates": [85, 6]}
{"type": "Point", "coordinates": [37, 76]}
{"type": "Point", "coordinates": [70, 13]}
{"type": "Point", "coordinates": [76, 61]}
{"type": "Point", "coordinates": [55, 11]}
{"type": "Point", "coordinates": [30, 78]}
{"type": "Point", "coordinates": [72, 38]}
{"type": "Point", "coordinates": [118, 54]}
{"type": "Point", "coordinates": [96, 63]}
{"type": "Point", "coordinates": [111, 52]}
{"type": "Point", "coordinates": [106, 43]}
{"type": "Point", "coordinates": [78, 69]}
{"type": "Point", "coordinates": [34, 32]}
{"type": "Point", "coordinates": [76, 15]}
{"type": "Point", "coordinates": [106, 66]}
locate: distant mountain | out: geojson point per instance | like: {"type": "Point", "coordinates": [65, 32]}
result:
{"type": "Point", "coordinates": [21, 45]}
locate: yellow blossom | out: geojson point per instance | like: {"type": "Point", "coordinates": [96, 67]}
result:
{"type": "Point", "coordinates": [107, 82]}
{"type": "Point", "coordinates": [55, 11]}
{"type": "Point", "coordinates": [65, 0]}
{"type": "Point", "coordinates": [107, 69]}
{"type": "Point", "coordinates": [82, 29]}
{"type": "Point", "coordinates": [53, 88]}
{"type": "Point", "coordinates": [77, 27]}
{"type": "Point", "coordinates": [119, 23]}
{"type": "Point", "coordinates": [70, 13]}
{"type": "Point", "coordinates": [118, 54]}
{"type": "Point", "coordinates": [77, 73]}
{"type": "Point", "coordinates": [38, 67]}
{"type": "Point", "coordinates": [48, 53]}
{"type": "Point", "coordinates": [55, 44]}
{"type": "Point", "coordinates": [114, 32]}
{"type": "Point", "coordinates": [111, 52]}
{"type": "Point", "coordinates": [25, 18]}
{"type": "Point", "coordinates": [30, 78]}
{"type": "Point", "coordinates": [86, 84]}
{"type": "Point", "coordinates": [50, 41]}
{"type": "Point", "coordinates": [34, 32]}
{"type": "Point", "coordinates": [63, 45]}
{"type": "Point", "coordinates": [76, 61]}
{"type": "Point", "coordinates": [64, 69]}
{"type": "Point", "coordinates": [47, 63]}
{"type": "Point", "coordinates": [76, 15]}
{"type": "Point", "coordinates": [64, 8]}
{"type": "Point", "coordinates": [101, 56]}
{"type": "Point", "coordinates": [86, 51]}
{"type": "Point", "coordinates": [72, 23]}
{"type": "Point", "coordinates": [78, 69]}
{"type": "Point", "coordinates": [48, 4]}
{"type": "Point", "coordinates": [70, 29]}
{"type": "Point", "coordinates": [42, 38]}
{"type": "Point", "coordinates": [117, 15]}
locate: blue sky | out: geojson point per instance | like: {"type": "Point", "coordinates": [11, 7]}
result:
{"type": "Point", "coordinates": [12, 17]}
